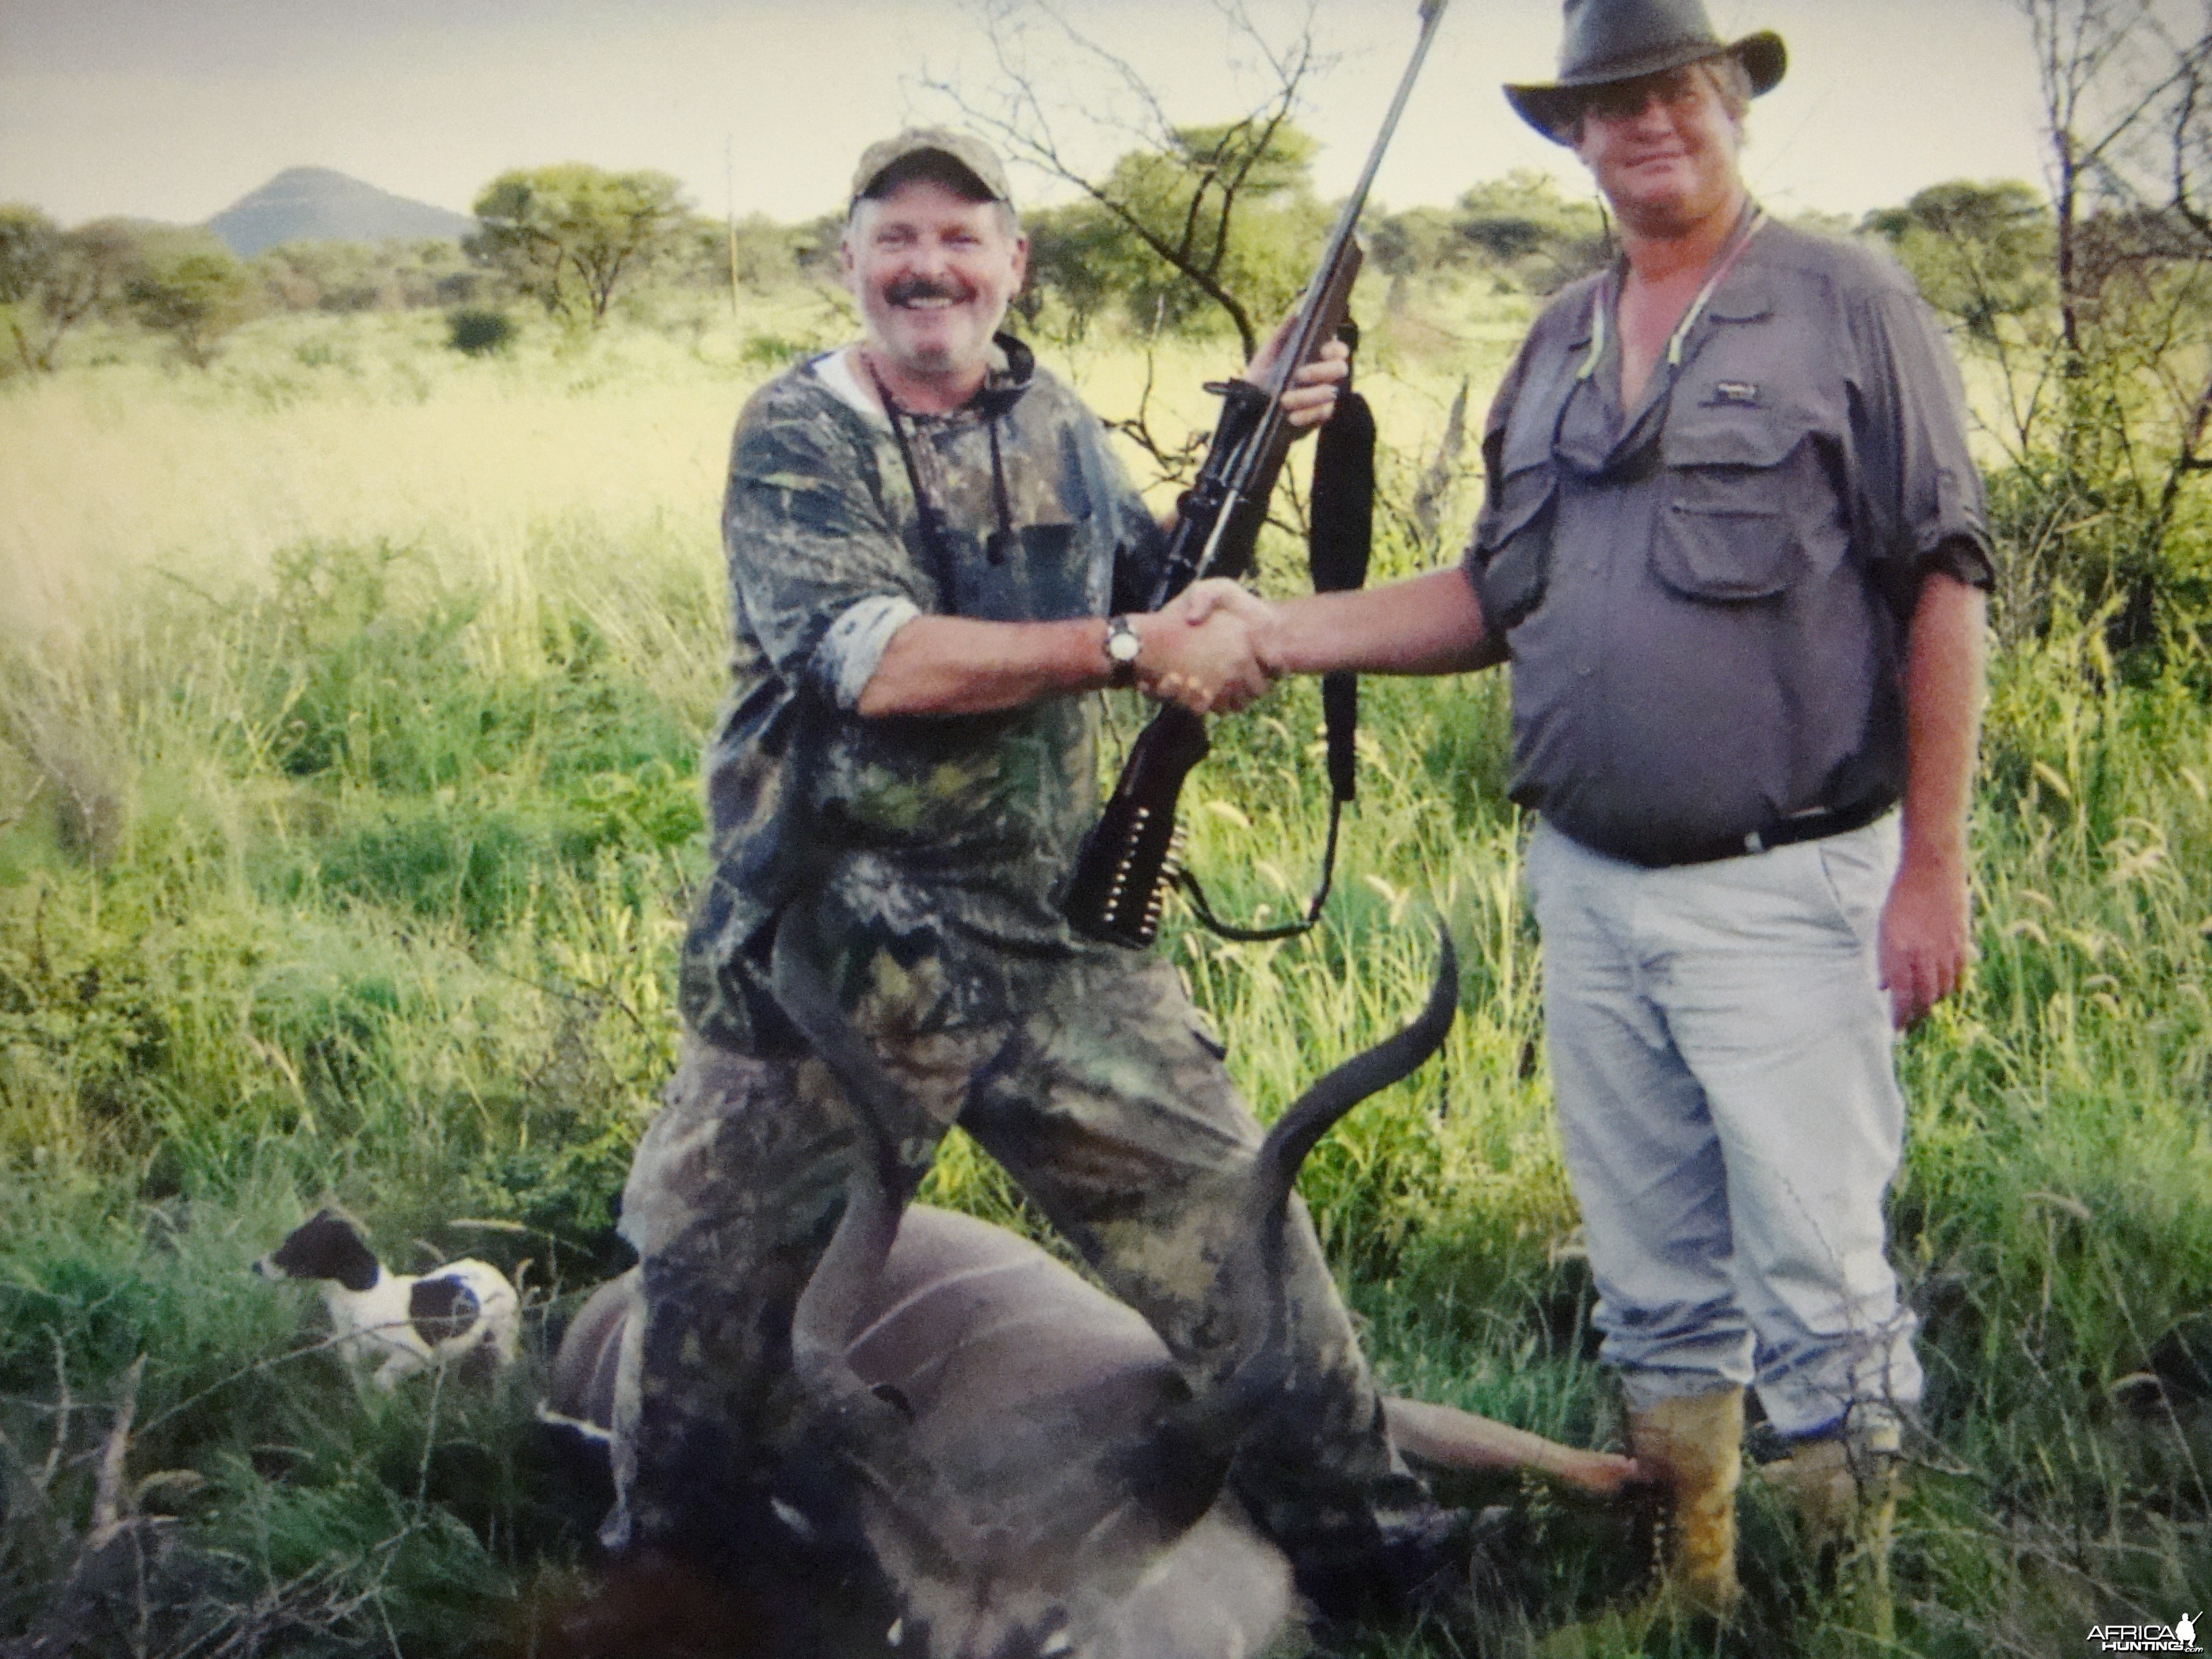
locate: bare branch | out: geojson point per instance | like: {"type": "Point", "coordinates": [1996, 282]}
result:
{"type": "Point", "coordinates": [1443, 469]}
{"type": "Point", "coordinates": [109, 1503]}
{"type": "Point", "coordinates": [1185, 213]}
{"type": "Point", "coordinates": [1174, 464]}
{"type": "Point", "coordinates": [62, 1406]}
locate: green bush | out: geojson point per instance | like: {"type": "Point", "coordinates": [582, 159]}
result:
{"type": "Point", "coordinates": [771, 352]}
{"type": "Point", "coordinates": [476, 332]}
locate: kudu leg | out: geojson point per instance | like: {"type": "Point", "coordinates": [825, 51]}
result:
{"type": "Point", "coordinates": [1449, 1438]}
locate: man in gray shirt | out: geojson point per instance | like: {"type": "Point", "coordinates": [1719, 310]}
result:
{"type": "Point", "coordinates": [1732, 546]}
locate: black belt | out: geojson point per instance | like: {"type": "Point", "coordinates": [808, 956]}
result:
{"type": "Point", "coordinates": [1804, 826]}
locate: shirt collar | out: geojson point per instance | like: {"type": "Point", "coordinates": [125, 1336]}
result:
{"type": "Point", "coordinates": [1010, 373]}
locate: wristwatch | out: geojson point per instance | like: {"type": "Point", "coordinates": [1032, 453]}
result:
{"type": "Point", "coordinates": [1123, 646]}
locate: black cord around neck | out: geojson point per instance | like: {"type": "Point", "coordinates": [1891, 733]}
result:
{"type": "Point", "coordinates": [936, 528]}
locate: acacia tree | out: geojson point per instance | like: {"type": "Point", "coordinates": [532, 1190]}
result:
{"type": "Point", "coordinates": [2090, 311]}
{"type": "Point", "coordinates": [27, 248]}
{"type": "Point", "coordinates": [51, 279]}
{"type": "Point", "coordinates": [1523, 227]}
{"type": "Point", "coordinates": [189, 286]}
{"type": "Point", "coordinates": [1087, 256]}
{"type": "Point", "coordinates": [1983, 257]}
{"type": "Point", "coordinates": [572, 235]}
{"type": "Point", "coordinates": [2127, 104]}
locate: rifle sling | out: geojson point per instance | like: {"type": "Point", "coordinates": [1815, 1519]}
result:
{"type": "Point", "coordinates": [1203, 911]}
{"type": "Point", "coordinates": [1339, 539]}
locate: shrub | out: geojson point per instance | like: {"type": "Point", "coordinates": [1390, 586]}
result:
{"type": "Point", "coordinates": [190, 287]}
{"type": "Point", "coordinates": [773, 351]}
{"type": "Point", "coordinates": [477, 332]}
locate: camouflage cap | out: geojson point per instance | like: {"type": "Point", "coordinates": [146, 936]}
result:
{"type": "Point", "coordinates": [969, 152]}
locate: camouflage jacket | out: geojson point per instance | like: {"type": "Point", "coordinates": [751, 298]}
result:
{"type": "Point", "coordinates": [941, 837]}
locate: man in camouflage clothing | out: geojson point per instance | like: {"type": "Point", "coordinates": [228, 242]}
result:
{"type": "Point", "coordinates": [927, 537]}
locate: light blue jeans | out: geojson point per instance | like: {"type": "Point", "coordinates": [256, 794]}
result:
{"type": "Point", "coordinates": [1720, 1054]}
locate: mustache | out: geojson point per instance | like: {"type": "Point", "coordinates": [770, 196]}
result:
{"type": "Point", "coordinates": [907, 289]}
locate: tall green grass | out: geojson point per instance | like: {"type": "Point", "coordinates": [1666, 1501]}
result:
{"type": "Point", "coordinates": [348, 721]}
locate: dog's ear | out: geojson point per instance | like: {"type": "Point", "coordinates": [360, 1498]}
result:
{"type": "Point", "coordinates": [326, 1245]}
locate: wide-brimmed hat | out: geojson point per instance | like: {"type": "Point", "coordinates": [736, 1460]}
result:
{"type": "Point", "coordinates": [970, 153]}
{"type": "Point", "coordinates": [1610, 41]}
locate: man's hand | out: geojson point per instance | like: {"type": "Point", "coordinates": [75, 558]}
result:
{"type": "Point", "coordinates": [1310, 398]}
{"type": "Point", "coordinates": [1219, 596]}
{"type": "Point", "coordinates": [1208, 666]}
{"type": "Point", "coordinates": [1428, 625]}
{"type": "Point", "coordinates": [1924, 944]}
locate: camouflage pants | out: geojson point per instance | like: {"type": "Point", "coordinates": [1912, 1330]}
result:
{"type": "Point", "coordinates": [1119, 1121]}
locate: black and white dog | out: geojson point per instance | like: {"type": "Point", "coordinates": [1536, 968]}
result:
{"type": "Point", "coordinates": [464, 1312]}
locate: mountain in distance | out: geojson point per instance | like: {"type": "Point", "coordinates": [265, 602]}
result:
{"type": "Point", "coordinates": [322, 204]}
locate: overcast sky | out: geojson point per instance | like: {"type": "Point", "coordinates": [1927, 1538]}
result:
{"type": "Point", "coordinates": [172, 109]}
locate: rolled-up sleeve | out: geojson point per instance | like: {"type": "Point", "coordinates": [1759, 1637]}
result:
{"type": "Point", "coordinates": [850, 651]}
{"type": "Point", "coordinates": [1919, 493]}
{"type": "Point", "coordinates": [819, 577]}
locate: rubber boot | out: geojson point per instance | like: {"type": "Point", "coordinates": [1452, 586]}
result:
{"type": "Point", "coordinates": [1843, 1488]}
{"type": "Point", "coordinates": [1692, 1448]}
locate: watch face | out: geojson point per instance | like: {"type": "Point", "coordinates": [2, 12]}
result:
{"type": "Point", "coordinates": [1121, 641]}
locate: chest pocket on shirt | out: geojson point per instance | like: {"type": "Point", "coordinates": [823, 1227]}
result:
{"type": "Point", "coordinates": [1727, 531]}
{"type": "Point", "coordinates": [1512, 547]}
{"type": "Point", "coordinates": [1039, 576]}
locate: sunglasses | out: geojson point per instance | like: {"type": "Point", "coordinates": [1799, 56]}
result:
{"type": "Point", "coordinates": [1623, 101]}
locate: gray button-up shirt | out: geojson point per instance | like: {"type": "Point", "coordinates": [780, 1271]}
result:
{"type": "Point", "coordinates": [1705, 598]}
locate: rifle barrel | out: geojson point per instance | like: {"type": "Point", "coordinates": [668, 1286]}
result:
{"type": "Point", "coordinates": [1241, 463]}
{"type": "Point", "coordinates": [1301, 345]}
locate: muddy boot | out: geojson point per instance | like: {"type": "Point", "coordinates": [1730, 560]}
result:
{"type": "Point", "coordinates": [1691, 1448]}
{"type": "Point", "coordinates": [1843, 1488]}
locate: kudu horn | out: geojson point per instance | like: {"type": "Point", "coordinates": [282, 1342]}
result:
{"type": "Point", "coordinates": [827, 1309]}
{"type": "Point", "coordinates": [1261, 1368]}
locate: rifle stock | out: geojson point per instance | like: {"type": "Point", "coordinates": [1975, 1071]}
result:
{"type": "Point", "coordinates": [1121, 875]}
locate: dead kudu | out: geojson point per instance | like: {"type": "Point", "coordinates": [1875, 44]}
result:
{"type": "Point", "coordinates": [1033, 1474]}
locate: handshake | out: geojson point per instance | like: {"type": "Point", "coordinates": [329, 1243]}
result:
{"type": "Point", "coordinates": [1215, 648]}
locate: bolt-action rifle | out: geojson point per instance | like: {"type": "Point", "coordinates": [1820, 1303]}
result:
{"type": "Point", "coordinates": [1123, 869]}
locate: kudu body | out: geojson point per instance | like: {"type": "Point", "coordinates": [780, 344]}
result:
{"type": "Point", "coordinates": [1035, 1474]}
{"type": "Point", "coordinates": [1038, 1394]}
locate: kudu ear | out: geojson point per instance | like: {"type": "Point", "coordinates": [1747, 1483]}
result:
{"type": "Point", "coordinates": [801, 985]}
